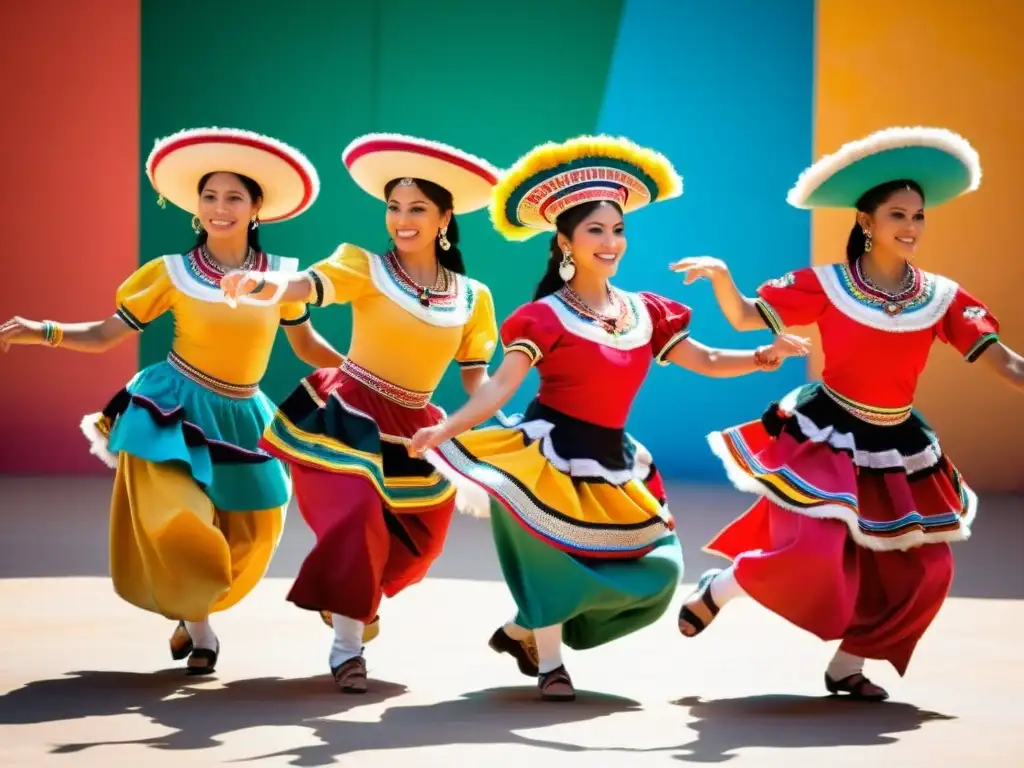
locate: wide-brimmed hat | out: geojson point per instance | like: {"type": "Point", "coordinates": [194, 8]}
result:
{"type": "Point", "coordinates": [289, 181]}
{"type": "Point", "coordinates": [940, 161]}
{"type": "Point", "coordinates": [554, 177]}
{"type": "Point", "coordinates": [377, 158]}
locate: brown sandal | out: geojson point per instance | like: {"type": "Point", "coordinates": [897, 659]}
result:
{"type": "Point", "coordinates": [523, 651]}
{"type": "Point", "coordinates": [702, 594]}
{"type": "Point", "coordinates": [350, 675]}
{"type": "Point", "coordinates": [854, 685]}
{"type": "Point", "coordinates": [556, 685]}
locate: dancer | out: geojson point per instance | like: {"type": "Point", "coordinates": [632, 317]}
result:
{"type": "Point", "coordinates": [379, 515]}
{"type": "Point", "coordinates": [849, 539]}
{"type": "Point", "coordinates": [584, 537]}
{"type": "Point", "coordinates": [197, 510]}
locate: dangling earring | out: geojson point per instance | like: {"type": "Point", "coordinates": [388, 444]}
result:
{"type": "Point", "coordinates": [197, 225]}
{"type": "Point", "coordinates": [442, 239]}
{"type": "Point", "coordinates": [567, 268]}
{"type": "Point", "coordinates": [867, 241]}
{"type": "Point", "coordinates": [255, 223]}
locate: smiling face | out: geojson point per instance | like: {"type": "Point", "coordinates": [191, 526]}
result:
{"type": "Point", "coordinates": [226, 206]}
{"type": "Point", "coordinates": [598, 241]}
{"type": "Point", "coordinates": [896, 225]}
{"type": "Point", "coordinates": [413, 220]}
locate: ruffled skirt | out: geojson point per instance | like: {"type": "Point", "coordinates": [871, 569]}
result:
{"type": "Point", "coordinates": [578, 513]}
{"type": "Point", "coordinates": [849, 539]}
{"type": "Point", "coordinates": [197, 510]}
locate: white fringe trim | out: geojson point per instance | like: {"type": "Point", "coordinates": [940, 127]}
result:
{"type": "Point", "coordinates": [470, 498]}
{"type": "Point", "coordinates": [889, 138]}
{"type": "Point", "coordinates": [417, 141]}
{"type": "Point", "coordinates": [744, 482]}
{"type": "Point", "coordinates": [97, 440]}
{"type": "Point", "coordinates": [300, 159]}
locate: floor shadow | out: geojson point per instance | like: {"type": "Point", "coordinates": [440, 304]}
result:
{"type": "Point", "coordinates": [793, 722]}
{"type": "Point", "coordinates": [483, 717]}
{"type": "Point", "coordinates": [198, 716]}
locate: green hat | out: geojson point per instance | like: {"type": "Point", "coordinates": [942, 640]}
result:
{"type": "Point", "coordinates": [943, 163]}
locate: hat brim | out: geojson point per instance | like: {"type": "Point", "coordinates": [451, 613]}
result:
{"type": "Point", "coordinates": [289, 181]}
{"type": "Point", "coordinates": [375, 159]}
{"type": "Point", "coordinates": [941, 162]}
{"type": "Point", "coordinates": [553, 178]}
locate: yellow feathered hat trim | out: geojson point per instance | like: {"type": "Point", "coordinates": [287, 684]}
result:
{"type": "Point", "coordinates": [554, 177]}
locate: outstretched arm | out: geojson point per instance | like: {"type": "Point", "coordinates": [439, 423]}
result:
{"type": "Point", "coordinates": [739, 310]}
{"type": "Point", "coordinates": [96, 337]}
{"type": "Point", "coordinates": [485, 402]}
{"type": "Point", "coordinates": [1005, 363]}
{"type": "Point", "coordinates": [474, 378]}
{"type": "Point", "coordinates": [727, 363]}
{"type": "Point", "coordinates": [279, 287]}
{"type": "Point", "coordinates": [312, 348]}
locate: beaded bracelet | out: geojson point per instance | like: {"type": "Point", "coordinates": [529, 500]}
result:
{"type": "Point", "coordinates": [53, 333]}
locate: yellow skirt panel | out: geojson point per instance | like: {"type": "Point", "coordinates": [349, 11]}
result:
{"type": "Point", "coordinates": [582, 501]}
{"type": "Point", "coordinates": [173, 553]}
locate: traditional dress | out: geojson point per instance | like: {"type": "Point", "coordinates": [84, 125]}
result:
{"type": "Point", "coordinates": [577, 508]}
{"type": "Point", "coordinates": [197, 510]}
{"type": "Point", "coordinates": [380, 516]}
{"type": "Point", "coordinates": [850, 539]}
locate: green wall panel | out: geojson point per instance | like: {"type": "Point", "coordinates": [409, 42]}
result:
{"type": "Point", "coordinates": [317, 74]}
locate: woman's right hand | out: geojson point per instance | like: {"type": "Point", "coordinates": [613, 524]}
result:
{"type": "Point", "coordinates": [18, 330]}
{"type": "Point", "coordinates": [695, 268]}
{"type": "Point", "coordinates": [239, 283]}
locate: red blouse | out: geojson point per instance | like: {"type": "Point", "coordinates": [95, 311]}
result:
{"type": "Point", "coordinates": [875, 351]}
{"type": "Point", "coordinates": [585, 371]}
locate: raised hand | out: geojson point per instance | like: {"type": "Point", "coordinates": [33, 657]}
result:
{"type": "Point", "coordinates": [693, 269]}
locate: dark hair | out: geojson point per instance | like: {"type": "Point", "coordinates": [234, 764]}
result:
{"type": "Point", "coordinates": [442, 198]}
{"type": "Point", "coordinates": [255, 192]}
{"type": "Point", "coordinates": [868, 203]}
{"type": "Point", "coordinates": [565, 224]}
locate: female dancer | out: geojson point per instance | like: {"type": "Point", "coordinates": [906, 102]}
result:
{"type": "Point", "coordinates": [858, 501]}
{"type": "Point", "coordinates": [379, 515]}
{"type": "Point", "coordinates": [578, 512]}
{"type": "Point", "coordinates": [197, 510]}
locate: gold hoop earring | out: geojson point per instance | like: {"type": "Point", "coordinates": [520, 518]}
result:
{"type": "Point", "coordinates": [197, 225]}
{"type": "Point", "coordinates": [442, 239]}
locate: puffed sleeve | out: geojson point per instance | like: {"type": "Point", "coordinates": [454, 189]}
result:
{"type": "Point", "coordinates": [533, 330]}
{"type": "Point", "coordinates": [480, 334]}
{"type": "Point", "coordinates": [796, 298]}
{"type": "Point", "coordinates": [968, 326]}
{"type": "Point", "coordinates": [341, 277]}
{"type": "Point", "coordinates": [294, 313]}
{"type": "Point", "coordinates": [145, 295]}
{"type": "Point", "coordinates": [670, 321]}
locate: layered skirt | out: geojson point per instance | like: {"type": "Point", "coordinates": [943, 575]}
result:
{"type": "Point", "coordinates": [380, 516]}
{"type": "Point", "coordinates": [578, 513]}
{"type": "Point", "coordinates": [197, 510]}
{"type": "Point", "coordinates": [850, 538]}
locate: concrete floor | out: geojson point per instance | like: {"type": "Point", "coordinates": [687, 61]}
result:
{"type": "Point", "coordinates": [85, 678]}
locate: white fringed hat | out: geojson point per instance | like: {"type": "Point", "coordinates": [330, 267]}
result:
{"type": "Point", "coordinates": [289, 181]}
{"type": "Point", "coordinates": [940, 161]}
{"type": "Point", "coordinates": [377, 158]}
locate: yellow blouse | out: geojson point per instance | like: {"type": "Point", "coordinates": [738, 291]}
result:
{"type": "Point", "coordinates": [394, 335]}
{"type": "Point", "coordinates": [229, 344]}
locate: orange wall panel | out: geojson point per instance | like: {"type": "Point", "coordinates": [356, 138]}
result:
{"type": "Point", "coordinates": [947, 64]}
{"type": "Point", "coordinates": [70, 158]}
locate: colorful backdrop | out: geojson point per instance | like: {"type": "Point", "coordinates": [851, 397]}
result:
{"type": "Point", "coordinates": [741, 94]}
